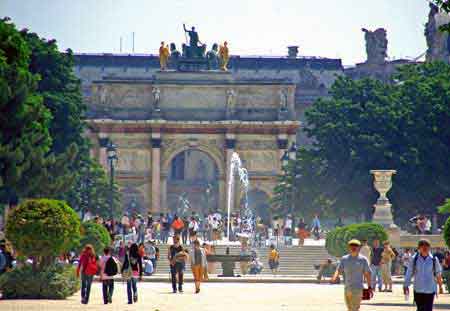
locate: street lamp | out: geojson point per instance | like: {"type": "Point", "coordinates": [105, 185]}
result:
{"type": "Point", "coordinates": [285, 161]}
{"type": "Point", "coordinates": [111, 150]}
{"type": "Point", "coordinates": [293, 152]}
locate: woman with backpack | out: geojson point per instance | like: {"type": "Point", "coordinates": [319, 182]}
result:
{"type": "Point", "coordinates": [87, 266]}
{"type": "Point", "coordinates": [108, 269]}
{"type": "Point", "coordinates": [131, 270]}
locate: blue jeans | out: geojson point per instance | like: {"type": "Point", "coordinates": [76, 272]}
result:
{"type": "Point", "coordinates": [141, 237]}
{"type": "Point", "coordinates": [86, 282]}
{"type": "Point", "coordinates": [131, 289]}
{"type": "Point", "coordinates": [108, 290]}
{"type": "Point", "coordinates": [376, 276]}
{"type": "Point", "coordinates": [164, 236]}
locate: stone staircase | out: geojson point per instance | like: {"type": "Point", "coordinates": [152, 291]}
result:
{"type": "Point", "coordinates": [294, 261]}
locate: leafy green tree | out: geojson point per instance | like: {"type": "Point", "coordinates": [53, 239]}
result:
{"type": "Point", "coordinates": [24, 120]}
{"type": "Point", "coordinates": [60, 90]}
{"type": "Point", "coordinates": [445, 208]}
{"type": "Point", "coordinates": [368, 125]}
{"type": "Point", "coordinates": [92, 191]}
{"type": "Point", "coordinates": [298, 190]}
{"type": "Point", "coordinates": [52, 173]}
{"type": "Point", "coordinates": [94, 234]}
{"type": "Point", "coordinates": [43, 229]}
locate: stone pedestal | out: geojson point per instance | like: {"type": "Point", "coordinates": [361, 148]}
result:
{"type": "Point", "coordinates": [383, 213]}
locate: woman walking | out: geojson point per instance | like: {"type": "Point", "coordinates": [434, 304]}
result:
{"type": "Point", "coordinates": [87, 266]}
{"type": "Point", "coordinates": [131, 271]}
{"type": "Point", "coordinates": [386, 263]}
{"type": "Point", "coordinates": [198, 264]}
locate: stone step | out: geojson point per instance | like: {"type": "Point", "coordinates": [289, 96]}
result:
{"type": "Point", "coordinates": [298, 261]}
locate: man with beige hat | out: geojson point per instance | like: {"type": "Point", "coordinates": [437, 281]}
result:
{"type": "Point", "coordinates": [355, 268]}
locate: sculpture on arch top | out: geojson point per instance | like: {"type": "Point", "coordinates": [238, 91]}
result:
{"type": "Point", "coordinates": [376, 45]}
{"type": "Point", "coordinates": [163, 55]}
{"type": "Point", "coordinates": [438, 42]}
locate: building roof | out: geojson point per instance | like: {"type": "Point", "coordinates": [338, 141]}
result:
{"type": "Point", "coordinates": [236, 61]}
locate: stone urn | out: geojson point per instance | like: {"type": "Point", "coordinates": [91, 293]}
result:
{"type": "Point", "coordinates": [383, 183]}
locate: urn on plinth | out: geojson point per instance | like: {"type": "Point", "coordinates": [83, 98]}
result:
{"type": "Point", "coordinates": [383, 183]}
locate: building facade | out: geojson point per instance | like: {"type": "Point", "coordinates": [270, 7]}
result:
{"type": "Point", "coordinates": [176, 131]}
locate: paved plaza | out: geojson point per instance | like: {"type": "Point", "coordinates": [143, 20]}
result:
{"type": "Point", "coordinates": [221, 297]}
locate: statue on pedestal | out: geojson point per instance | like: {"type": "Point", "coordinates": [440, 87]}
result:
{"type": "Point", "coordinates": [174, 53]}
{"type": "Point", "coordinates": [156, 110]}
{"type": "Point", "coordinates": [231, 104]}
{"type": "Point", "coordinates": [438, 42]}
{"type": "Point", "coordinates": [376, 45]}
{"type": "Point", "coordinates": [163, 55]}
{"type": "Point", "coordinates": [283, 110]}
{"type": "Point", "coordinates": [224, 56]}
{"type": "Point", "coordinates": [193, 50]}
{"type": "Point", "coordinates": [213, 57]}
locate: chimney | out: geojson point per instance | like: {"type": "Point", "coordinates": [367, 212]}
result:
{"type": "Point", "coordinates": [292, 51]}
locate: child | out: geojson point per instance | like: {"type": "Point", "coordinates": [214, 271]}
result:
{"type": "Point", "coordinates": [274, 259]}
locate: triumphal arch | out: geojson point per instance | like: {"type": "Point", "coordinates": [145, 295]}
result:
{"type": "Point", "coordinates": [176, 131]}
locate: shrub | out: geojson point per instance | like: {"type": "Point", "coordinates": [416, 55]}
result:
{"type": "Point", "coordinates": [447, 232]}
{"type": "Point", "coordinates": [42, 228]}
{"type": "Point", "coordinates": [52, 282]}
{"type": "Point", "coordinates": [336, 243]}
{"type": "Point", "coordinates": [95, 234]}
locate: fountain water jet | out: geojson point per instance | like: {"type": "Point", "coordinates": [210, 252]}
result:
{"type": "Point", "coordinates": [236, 167]}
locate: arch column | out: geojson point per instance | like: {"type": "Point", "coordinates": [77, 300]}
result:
{"type": "Point", "coordinates": [230, 145]}
{"type": "Point", "coordinates": [103, 142]}
{"type": "Point", "coordinates": [156, 173]}
{"type": "Point", "coordinates": [283, 145]}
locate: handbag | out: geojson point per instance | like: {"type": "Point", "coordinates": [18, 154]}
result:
{"type": "Point", "coordinates": [367, 294]}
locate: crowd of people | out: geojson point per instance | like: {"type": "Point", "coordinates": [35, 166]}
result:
{"type": "Point", "coordinates": [211, 227]}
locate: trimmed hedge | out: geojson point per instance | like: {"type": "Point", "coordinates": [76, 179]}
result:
{"type": "Point", "coordinates": [336, 241]}
{"type": "Point", "coordinates": [43, 228]}
{"type": "Point", "coordinates": [447, 232]}
{"type": "Point", "coordinates": [53, 282]}
{"type": "Point", "coordinates": [95, 234]}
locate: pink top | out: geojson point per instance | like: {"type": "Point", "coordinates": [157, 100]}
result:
{"type": "Point", "coordinates": [103, 261]}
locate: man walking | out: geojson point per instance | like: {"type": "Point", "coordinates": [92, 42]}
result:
{"type": "Point", "coordinates": [108, 269]}
{"type": "Point", "coordinates": [375, 266]}
{"type": "Point", "coordinates": [355, 268]}
{"type": "Point", "coordinates": [427, 273]}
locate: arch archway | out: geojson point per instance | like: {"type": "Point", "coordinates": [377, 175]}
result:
{"type": "Point", "coordinates": [133, 201]}
{"type": "Point", "coordinates": [259, 203]}
{"type": "Point", "coordinates": [192, 182]}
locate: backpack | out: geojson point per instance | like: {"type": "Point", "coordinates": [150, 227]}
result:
{"type": "Point", "coordinates": [416, 256]}
{"type": "Point", "coordinates": [111, 267]}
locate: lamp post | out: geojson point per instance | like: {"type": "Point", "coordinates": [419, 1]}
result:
{"type": "Point", "coordinates": [293, 157]}
{"type": "Point", "coordinates": [284, 166]}
{"type": "Point", "coordinates": [112, 158]}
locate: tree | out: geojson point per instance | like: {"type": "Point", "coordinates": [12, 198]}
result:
{"type": "Point", "coordinates": [445, 208]}
{"type": "Point", "coordinates": [42, 229]}
{"type": "Point", "coordinates": [92, 191]}
{"type": "Point", "coordinates": [60, 90]}
{"type": "Point", "coordinates": [24, 120]}
{"type": "Point", "coordinates": [368, 125]}
{"type": "Point", "coordinates": [299, 188]}
{"type": "Point", "coordinates": [52, 173]}
{"type": "Point", "coordinates": [94, 234]}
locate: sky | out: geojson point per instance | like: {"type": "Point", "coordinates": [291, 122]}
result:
{"type": "Point", "coordinates": [327, 28]}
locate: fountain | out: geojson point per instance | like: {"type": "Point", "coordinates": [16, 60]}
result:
{"type": "Point", "coordinates": [247, 215]}
{"type": "Point", "coordinates": [227, 260]}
